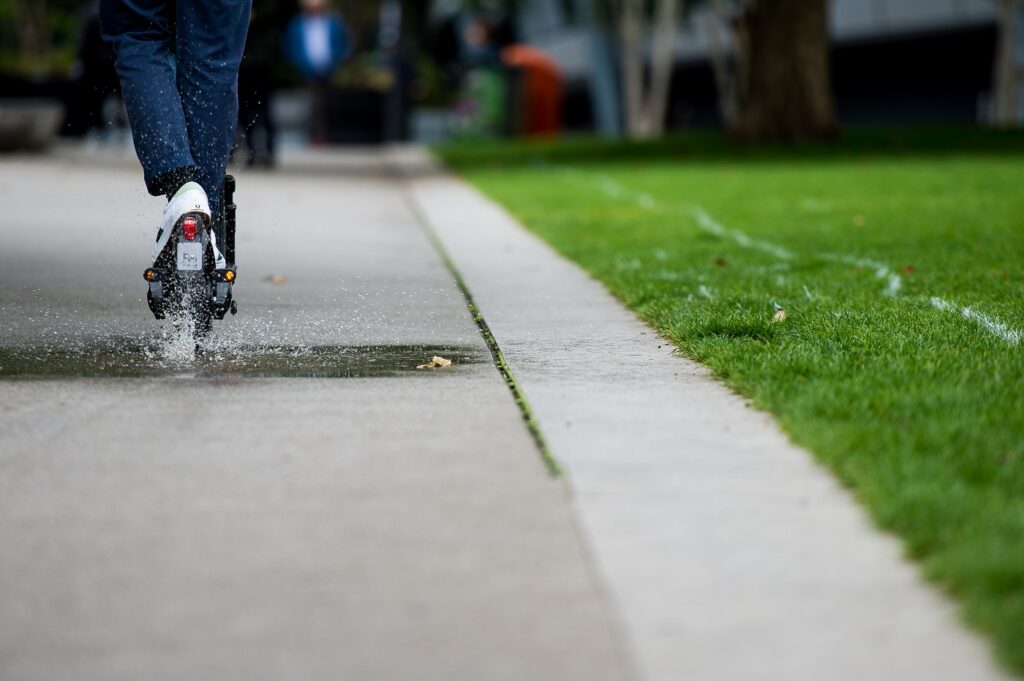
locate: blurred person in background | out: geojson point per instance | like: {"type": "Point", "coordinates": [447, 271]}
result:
{"type": "Point", "coordinates": [316, 42]}
{"type": "Point", "coordinates": [256, 88]}
{"type": "Point", "coordinates": [482, 108]}
{"type": "Point", "coordinates": [539, 89]}
{"type": "Point", "coordinates": [178, 63]}
{"type": "Point", "coordinates": [94, 78]}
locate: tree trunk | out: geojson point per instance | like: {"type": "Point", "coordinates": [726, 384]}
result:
{"type": "Point", "coordinates": [33, 33]}
{"type": "Point", "coordinates": [722, 67]}
{"type": "Point", "coordinates": [631, 39]}
{"type": "Point", "coordinates": [1007, 76]}
{"type": "Point", "coordinates": [645, 101]}
{"type": "Point", "coordinates": [663, 55]}
{"type": "Point", "coordinates": [788, 93]}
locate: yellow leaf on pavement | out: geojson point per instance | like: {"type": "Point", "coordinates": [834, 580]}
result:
{"type": "Point", "coordinates": [436, 363]}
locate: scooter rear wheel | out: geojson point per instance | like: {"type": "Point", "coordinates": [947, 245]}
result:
{"type": "Point", "coordinates": [190, 305]}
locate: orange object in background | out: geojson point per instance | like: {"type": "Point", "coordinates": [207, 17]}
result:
{"type": "Point", "coordinates": [541, 89]}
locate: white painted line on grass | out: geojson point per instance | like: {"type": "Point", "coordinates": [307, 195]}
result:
{"type": "Point", "coordinates": [712, 226]}
{"type": "Point", "coordinates": [893, 282]}
{"type": "Point", "coordinates": [646, 201]}
{"type": "Point", "coordinates": [612, 188]}
{"type": "Point", "coordinates": [994, 326]}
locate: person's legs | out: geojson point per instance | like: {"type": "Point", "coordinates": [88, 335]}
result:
{"type": "Point", "coordinates": [319, 121]}
{"type": "Point", "coordinates": [263, 93]}
{"type": "Point", "coordinates": [269, 127]}
{"type": "Point", "coordinates": [210, 41]}
{"type": "Point", "coordinates": [248, 111]}
{"type": "Point", "coordinates": [141, 33]}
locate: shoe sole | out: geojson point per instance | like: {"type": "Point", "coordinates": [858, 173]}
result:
{"type": "Point", "coordinates": [166, 258]}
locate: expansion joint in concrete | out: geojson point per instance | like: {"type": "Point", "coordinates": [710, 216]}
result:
{"type": "Point", "coordinates": [485, 331]}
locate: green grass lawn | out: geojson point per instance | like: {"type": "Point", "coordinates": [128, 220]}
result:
{"type": "Point", "coordinates": [898, 260]}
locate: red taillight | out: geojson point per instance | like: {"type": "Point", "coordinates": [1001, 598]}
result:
{"type": "Point", "coordinates": [189, 228]}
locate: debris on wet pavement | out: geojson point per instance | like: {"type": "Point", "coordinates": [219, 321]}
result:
{"type": "Point", "coordinates": [435, 363]}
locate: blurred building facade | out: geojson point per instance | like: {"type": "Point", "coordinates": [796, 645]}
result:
{"type": "Point", "coordinates": [893, 61]}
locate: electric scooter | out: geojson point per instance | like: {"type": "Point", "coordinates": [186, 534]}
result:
{"type": "Point", "coordinates": [186, 283]}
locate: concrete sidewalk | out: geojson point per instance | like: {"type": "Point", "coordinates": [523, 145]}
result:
{"type": "Point", "coordinates": [726, 551]}
{"type": "Point", "coordinates": [196, 525]}
{"type": "Point", "coordinates": [401, 524]}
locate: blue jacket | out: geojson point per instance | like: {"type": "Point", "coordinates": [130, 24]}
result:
{"type": "Point", "coordinates": [295, 46]}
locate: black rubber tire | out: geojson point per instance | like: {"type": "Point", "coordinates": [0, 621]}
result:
{"type": "Point", "coordinates": [190, 305]}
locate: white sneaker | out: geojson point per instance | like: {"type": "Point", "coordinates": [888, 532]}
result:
{"type": "Point", "coordinates": [189, 199]}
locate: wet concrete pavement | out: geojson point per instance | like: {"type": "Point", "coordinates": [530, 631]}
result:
{"type": "Point", "coordinates": [242, 515]}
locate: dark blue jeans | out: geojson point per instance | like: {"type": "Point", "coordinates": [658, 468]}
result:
{"type": "Point", "coordinates": [178, 63]}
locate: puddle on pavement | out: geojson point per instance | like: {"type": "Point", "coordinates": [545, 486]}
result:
{"type": "Point", "coordinates": [123, 358]}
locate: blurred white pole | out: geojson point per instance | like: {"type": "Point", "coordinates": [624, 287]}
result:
{"type": "Point", "coordinates": [604, 91]}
